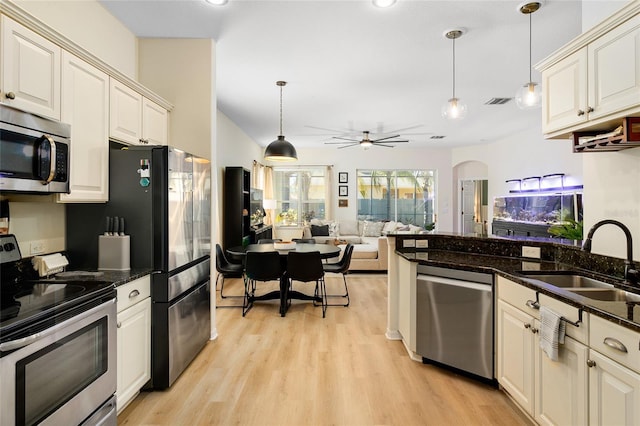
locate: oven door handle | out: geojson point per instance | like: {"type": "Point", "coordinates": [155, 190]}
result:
{"type": "Point", "coordinates": [26, 341]}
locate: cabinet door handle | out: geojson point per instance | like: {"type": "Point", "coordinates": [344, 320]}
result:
{"type": "Point", "coordinates": [534, 330]}
{"type": "Point", "coordinates": [533, 304]}
{"type": "Point", "coordinates": [527, 325]}
{"type": "Point", "coordinates": [580, 113]}
{"type": "Point", "coordinates": [589, 109]}
{"type": "Point", "coordinates": [118, 324]}
{"type": "Point", "coordinates": [591, 363]}
{"type": "Point", "coordinates": [615, 344]}
{"type": "Point", "coordinates": [10, 95]}
{"type": "Point", "coordinates": [133, 294]}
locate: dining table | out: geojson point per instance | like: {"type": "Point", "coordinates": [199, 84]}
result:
{"type": "Point", "coordinates": [326, 251]}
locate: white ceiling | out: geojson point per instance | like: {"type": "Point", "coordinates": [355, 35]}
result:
{"type": "Point", "coordinates": [351, 66]}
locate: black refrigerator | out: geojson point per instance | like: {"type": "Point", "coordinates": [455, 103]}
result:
{"type": "Point", "coordinates": [164, 196]}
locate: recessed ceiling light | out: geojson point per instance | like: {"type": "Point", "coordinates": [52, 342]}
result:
{"type": "Point", "coordinates": [217, 2]}
{"type": "Point", "coordinates": [383, 3]}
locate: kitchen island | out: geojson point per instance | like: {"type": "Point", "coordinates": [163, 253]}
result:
{"type": "Point", "coordinates": [598, 366]}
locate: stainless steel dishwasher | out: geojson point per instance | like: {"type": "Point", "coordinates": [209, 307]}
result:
{"type": "Point", "coordinates": [455, 319]}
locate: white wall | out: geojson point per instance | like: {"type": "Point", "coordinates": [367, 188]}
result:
{"type": "Point", "coordinates": [522, 155]}
{"type": "Point", "coordinates": [182, 71]}
{"type": "Point", "coordinates": [351, 159]}
{"type": "Point", "coordinates": [594, 11]}
{"type": "Point", "coordinates": [88, 24]}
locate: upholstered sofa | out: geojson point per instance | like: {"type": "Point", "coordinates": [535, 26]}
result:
{"type": "Point", "coordinates": [369, 239]}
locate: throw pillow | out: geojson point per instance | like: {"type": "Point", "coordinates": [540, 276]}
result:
{"type": "Point", "coordinates": [402, 228]}
{"type": "Point", "coordinates": [348, 227]}
{"type": "Point", "coordinates": [389, 227]}
{"type": "Point", "coordinates": [372, 229]}
{"type": "Point", "coordinates": [415, 229]}
{"type": "Point", "coordinates": [319, 231]}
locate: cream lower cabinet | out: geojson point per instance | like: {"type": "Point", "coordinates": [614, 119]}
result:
{"type": "Point", "coordinates": [85, 106]}
{"type": "Point", "coordinates": [134, 340]}
{"type": "Point", "coordinates": [614, 382]}
{"type": "Point", "coordinates": [552, 392]}
{"type": "Point", "coordinates": [30, 70]}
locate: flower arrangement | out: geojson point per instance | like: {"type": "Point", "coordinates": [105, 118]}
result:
{"type": "Point", "coordinates": [288, 216]}
{"type": "Point", "coordinates": [257, 216]}
{"type": "Point", "coordinates": [307, 216]}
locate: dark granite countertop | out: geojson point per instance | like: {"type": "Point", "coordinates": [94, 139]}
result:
{"type": "Point", "coordinates": [118, 278]}
{"type": "Point", "coordinates": [470, 253]}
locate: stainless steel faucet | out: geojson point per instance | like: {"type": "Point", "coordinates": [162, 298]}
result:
{"type": "Point", "coordinates": [631, 274]}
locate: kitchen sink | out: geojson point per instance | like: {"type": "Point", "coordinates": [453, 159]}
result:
{"type": "Point", "coordinates": [569, 280]}
{"type": "Point", "coordinates": [608, 295]}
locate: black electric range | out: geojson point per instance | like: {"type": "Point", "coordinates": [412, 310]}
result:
{"type": "Point", "coordinates": [29, 304]}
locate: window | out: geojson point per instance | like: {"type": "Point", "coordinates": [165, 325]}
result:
{"type": "Point", "coordinates": [299, 193]}
{"type": "Point", "coordinates": [405, 196]}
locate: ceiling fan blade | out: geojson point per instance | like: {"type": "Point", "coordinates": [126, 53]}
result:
{"type": "Point", "coordinates": [341, 131]}
{"type": "Point", "coordinates": [398, 141]}
{"type": "Point", "coordinates": [346, 139]}
{"type": "Point", "coordinates": [347, 146]}
{"type": "Point", "coordinates": [403, 129]}
{"type": "Point", "coordinates": [382, 139]}
{"type": "Point", "coordinates": [341, 143]}
{"type": "Point", "coordinates": [381, 144]}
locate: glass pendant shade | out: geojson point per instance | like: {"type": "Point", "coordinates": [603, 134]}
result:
{"type": "Point", "coordinates": [529, 96]}
{"type": "Point", "coordinates": [383, 3]}
{"type": "Point", "coordinates": [280, 150]}
{"type": "Point", "coordinates": [454, 109]}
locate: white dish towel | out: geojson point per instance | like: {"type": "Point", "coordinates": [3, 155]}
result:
{"type": "Point", "coordinates": [552, 332]}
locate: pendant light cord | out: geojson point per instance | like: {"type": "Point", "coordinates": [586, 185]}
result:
{"type": "Point", "coordinates": [454, 68]}
{"type": "Point", "coordinates": [530, 80]}
{"type": "Point", "coordinates": [280, 109]}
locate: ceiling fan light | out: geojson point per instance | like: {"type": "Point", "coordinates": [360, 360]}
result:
{"type": "Point", "coordinates": [280, 150]}
{"type": "Point", "coordinates": [454, 109]}
{"type": "Point", "coordinates": [366, 143]}
{"type": "Point", "coordinates": [383, 3]}
{"type": "Point", "coordinates": [529, 96]}
{"type": "Point", "coordinates": [217, 2]}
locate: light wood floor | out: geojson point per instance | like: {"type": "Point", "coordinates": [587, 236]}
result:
{"type": "Point", "coordinates": [306, 370]}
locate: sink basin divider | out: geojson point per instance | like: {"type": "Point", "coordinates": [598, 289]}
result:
{"type": "Point", "coordinates": [536, 305]}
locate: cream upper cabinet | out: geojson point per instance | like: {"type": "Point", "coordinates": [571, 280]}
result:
{"type": "Point", "coordinates": [154, 123]}
{"type": "Point", "coordinates": [30, 70]}
{"type": "Point", "coordinates": [134, 119]}
{"type": "Point", "coordinates": [595, 85]}
{"type": "Point", "coordinates": [565, 93]}
{"type": "Point", "coordinates": [85, 106]}
{"type": "Point", "coordinates": [125, 113]}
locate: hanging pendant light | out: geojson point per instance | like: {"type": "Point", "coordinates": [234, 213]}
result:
{"type": "Point", "coordinates": [280, 149]}
{"type": "Point", "coordinates": [454, 109]}
{"type": "Point", "coordinates": [529, 96]}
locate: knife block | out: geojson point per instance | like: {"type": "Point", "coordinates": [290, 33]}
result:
{"type": "Point", "coordinates": [114, 252]}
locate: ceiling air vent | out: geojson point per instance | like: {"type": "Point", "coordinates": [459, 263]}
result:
{"type": "Point", "coordinates": [437, 137]}
{"type": "Point", "coordinates": [497, 101]}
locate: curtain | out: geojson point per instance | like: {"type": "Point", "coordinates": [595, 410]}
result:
{"type": "Point", "coordinates": [258, 175]}
{"type": "Point", "coordinates": [269, 192]}
{"type": "Point", "coordinates": [328, 193]}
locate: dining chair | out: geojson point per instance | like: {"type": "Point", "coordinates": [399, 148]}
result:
{"type": "Point", "coordinates": [341, 267]}
{"type": "Point", "coordinates": [307, 267]}
{"type": "Point", "coordinates": [304, 240]}
{"type": "Point", "coordinates": [259, 266]}
{"type": "Point", "coordinates": [225, 270]}
{"type": "Point", "coordinates": [269, 240]}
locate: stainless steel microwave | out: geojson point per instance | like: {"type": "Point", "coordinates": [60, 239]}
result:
{"type": "Point", "coordinates": [34, 153]}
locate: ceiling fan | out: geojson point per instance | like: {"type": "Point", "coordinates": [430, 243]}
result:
{"type": "Point", "coordinates": [366, 142]}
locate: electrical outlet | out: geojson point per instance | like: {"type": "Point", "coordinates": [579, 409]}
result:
{"type": "Point", "coordinates": [530, 266]}
{"type": "Point", "coordinates": [422, 243]}
{"type": "Point", "coordinates": [422, 255]}
{"type": "Point", "coordinates": [532, 252]}
{"type": "Point", "coordinates": [37, 247]}
{"type": "Point", "coordinates": [408, 243]}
